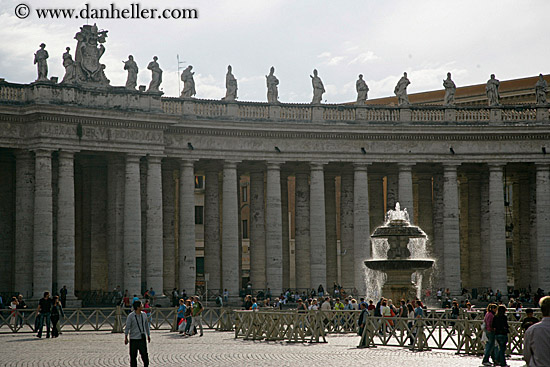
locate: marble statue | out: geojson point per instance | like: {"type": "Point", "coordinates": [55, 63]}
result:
{"type": "Point", "coordinates": [131, 66]}
{"type": "Point", "coordinates": [89, 50]}
{"type": "Point", "coordinates": [188, 83]}
{"type": "Point", "coordinates": [41, 61]}
{"type": "Point", "coordinates": [230, 85]}
{"type": "Point", "coordinates": [450, 89]}
{"type": "Point", "coordinates": [492, 91]}
{"type": "Point", "coordinates": [272, 83]}
{"type": "Point", "coordinates": [401, 90]}
{"type": "Point", "coordinates": [318, 88]}
{"type": "Point", "coordinates": [156, 75]}
{"type": "Point", "coordinates": [362, 90]}
{"type": "Point", "coordinates": [70, 67]}
{"type": "Point", "coordinates": [540, 90]}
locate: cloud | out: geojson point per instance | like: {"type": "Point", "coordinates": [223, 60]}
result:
{"type": "Point", "coordinates": [364, 58]}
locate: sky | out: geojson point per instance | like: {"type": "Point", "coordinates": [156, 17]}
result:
{"type": "Point", "coordinates": [341, 39]}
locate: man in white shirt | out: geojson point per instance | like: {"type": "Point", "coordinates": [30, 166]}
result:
{"type": "Point", "coordinates": [138, 328]}
{"type": "Point", "coordinates": [536, 347]}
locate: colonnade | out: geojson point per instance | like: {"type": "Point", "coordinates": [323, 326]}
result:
{"type": "Point", "coordinates": [465, 218]}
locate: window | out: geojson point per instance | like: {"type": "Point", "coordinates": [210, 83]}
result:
{"type": "Point", "coordinates": [199, 182]}
{"type": "Point", "coordinates": [244, 195]}
{"type": "Point", "coordinates": [245, 228]}
{"type": "Point", "coordinates": [199, 215]}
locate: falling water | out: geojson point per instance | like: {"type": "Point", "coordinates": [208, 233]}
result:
{"type": "Point", "coordinates": [375, 278]}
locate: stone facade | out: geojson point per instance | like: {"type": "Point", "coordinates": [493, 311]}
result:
{"type": "Point", "coordinates": [97, 190]}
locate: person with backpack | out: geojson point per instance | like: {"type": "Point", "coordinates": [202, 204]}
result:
{"type": "Point", "coordinates": [197, 316]}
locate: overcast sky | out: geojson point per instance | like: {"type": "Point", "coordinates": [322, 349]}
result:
{"type": "Point", "coordinates": [380, 39]}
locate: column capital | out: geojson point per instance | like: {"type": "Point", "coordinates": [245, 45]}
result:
{"type": "Point", "coordinates": [133, 158]}
{"type": "Point", "coordinates": [188, 163]}
{"type": "Point", "coordinates": [450, 166]}
{"type": "Point", "coordinates": [23, 154]}
{"type": "Point", "coordinates": [42, 153]}
{"type": "Point", "coordinates": [230, 164]}
{"type": "Point", "coordinates": [542, 166]}
{"type": "Point", "coordinates": [406, 166]}
{"type": "Point", "coordinates": [496, 166]}
{"type": "Point", "coordinates": [362, 166]}
{"type": "Point", "coordinates": [155, 159]}
{"type": "Point", "coordinates": [66, 154]}
{"type": "Point", "coordinates": [317, 166]}
{"type": "Point", "coordinates": [274, 165]}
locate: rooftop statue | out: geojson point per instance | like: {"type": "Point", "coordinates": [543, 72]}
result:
{"type": "Point", "coordinates": [230, 85]}
{"type": "Point", "coordinates": [156, 75]}
{"type": "Point", "coordinates": [492, 91]}
{"type": "Point", "coordinates": [450, 89]}
{"type": "Point", "coordinates": [362, 90]}
{"type": "Point", "coordinates": [131, 66]}
{"type": "Point", "coordinates": [272, 83]}
{"type": "Point", "coordinates": [70, 67]}
{"type": "Point", "coordinates": [88, 68]}
{"type": "Point", "coordinates": [40, 59]}
{"type": "Point", "coordinates": [318, 88]}
{"type": "Point", "coordinates": [188, 83]}
{"type": "Point", "coordinates": [540, 90]}
{"type": "Point", "coordinates": [401, 90]}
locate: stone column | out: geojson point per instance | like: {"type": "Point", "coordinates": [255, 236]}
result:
{"type": "Point", "coordinates": [212, 249]}
{"type": "Point", "coordinates": [257, 231]}
{"type": "Point", "coordinates": [66, 223]}
{"type": "Point", "coordinates": [525, 240]}
{"type": "Point", "coordinates": [115, 220]}
{"type": "Point", "coordinates": [346, 230]}
{"type": "Point", "coordinates": [451, 235]}
{"type": "Point", "coordinates": [437, 241]}
{"type": "Point", "coordinates": [43, 243]}
{"type": "Point", "coordinates": [484, 237]}
{"type": "Point", "coordinates": [406, 189]}
{"type": "Point", "coordinates": [317, 230]}
{"type": "Point", "coordinates": [153, 244]}
{"type": "Point", "coordinates": [273, 233]}
{"type": "Point", "coordinates": [24, 202]}
{"type": "Point", "coordinates": [392, 193]}
{"type": "Point", "coordinates": [425, 208]}
{"type": "Point", "coordinates": [543, 226]}
{"type": "Point", "coordinates": [301, 241]}
{"type": "Point", "coordinates": [230, 230]}
{"type": "Point", "coordinates": [186, 256]}
{"type": "Point", "coordinates": [376, 202]}
{"type": "Point", "coordinates": [132, 226]}
{"type": "Point", "coordinates": [168, 229]}
{"type": "Point", "coordinates": [330, 225]}
{"type": "Point", "coordinates": [533, 221]}
{"type": "Point", "coordinates": [285, 230]}
{"type": "Point", "coordinates": [497, 231]}
{"type": "Point", "coordinates": [475, 262]}
{"type": "Point", "coordinates": [361, 229]}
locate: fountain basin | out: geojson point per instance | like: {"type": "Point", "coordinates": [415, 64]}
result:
{"type": "Point", "coordinates": [399, 264]}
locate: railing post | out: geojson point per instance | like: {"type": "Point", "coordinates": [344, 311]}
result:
{"type": "Point", "coordinates": [542, 115]}
{"type": "Point", "coordinates": [232, 109]}
{"type": "Point", "coordinates": [188, 107]}
{"type": "Point", "coordinates": [450, 114]}
{"type": "Point", "coordinates": [360, 113]}
{"type": "Point", "coordinates": [117, 327]}
{"type": "Point", "coordinates": [495, 116]}
{"type": "Point", "coordinates": [317, 114]}
{"type": "Point", "coordinates": [405, 115]}
{"type": "Point", "coordinates": [274, 112]}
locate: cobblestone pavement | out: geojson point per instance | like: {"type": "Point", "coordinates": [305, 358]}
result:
{"type": "Point", "coordinates": [214, 349]}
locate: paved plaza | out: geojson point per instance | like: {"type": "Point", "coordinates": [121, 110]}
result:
{"type": "Point", "coordinates": [214, 349]}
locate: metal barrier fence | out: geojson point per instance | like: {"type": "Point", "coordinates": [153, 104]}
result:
{"type": "Point", "coordinates": [111, 319]}
{"type": "Point", "coordinates": [436, 331]}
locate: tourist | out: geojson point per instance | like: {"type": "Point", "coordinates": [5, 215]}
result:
{"type": "Point", "coordinates": [455, 312]}
{"type": "Point", "coordinates": [13, 307]}
{"type": "Point", "coordinates": [147, 309]}
{"type": "Point", "coordinates": [301, 306]}
{"type": "Point", "coordinates": [175, 297]}
{"type": "Point", "coordinates": [326, 305]}
{"type": "Point", "coordinates": [500, 326]}
{"type": "Point", "coordinates": [354, 304]}
{"type": "Point", "coordinates": [254, 306]}
{"type": "Point", "coordinates": [21, 305]}
{"type": "Point", "coordinates": [44, 309]}
{"type": "Point", "coordinates": [63, 293]}
{"type": "Point", "coordinates": [536, 349]}
{"type": "Point", "coordinates": [371, 307]}
{"type": "Point", "coordinates": [181, 315]}
{"type": "Point", "coordinates": [338, 305]}
{"type": "Point", "coordinates": [152, 295]}
{"type": "Point", "coordinates": [197, 315]}
{"type": "Point", "coordinates": [314, 305]}
{"type": "Point", "coordinates": [403, 312]}
{"type": "Point", "coordinates": [138, 328]}
{"type": "Point", "coordinates": [188, 317]}
{"type": "Point", "coordinates": [529, 319]}
{"type": "Point", "coordinates": [225, 296]}
{"type": "Point", "coordinates": [362, 321]}
{"type": "Point", "coordinates": [320, 291]}
{"type": "Point", "coordinates": [126, 299]}
{"type": "Point", "coordinates": [410, 316]}
{"type": "Point", "coordinates": [490, 333]}
{"type": "Point", "coordinates": [57, 313]}
{"type": "Point", "coordinates": [247, 303]}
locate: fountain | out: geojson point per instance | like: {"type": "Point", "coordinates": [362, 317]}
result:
{"type": "Point", "coordinates": [399, 237]}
